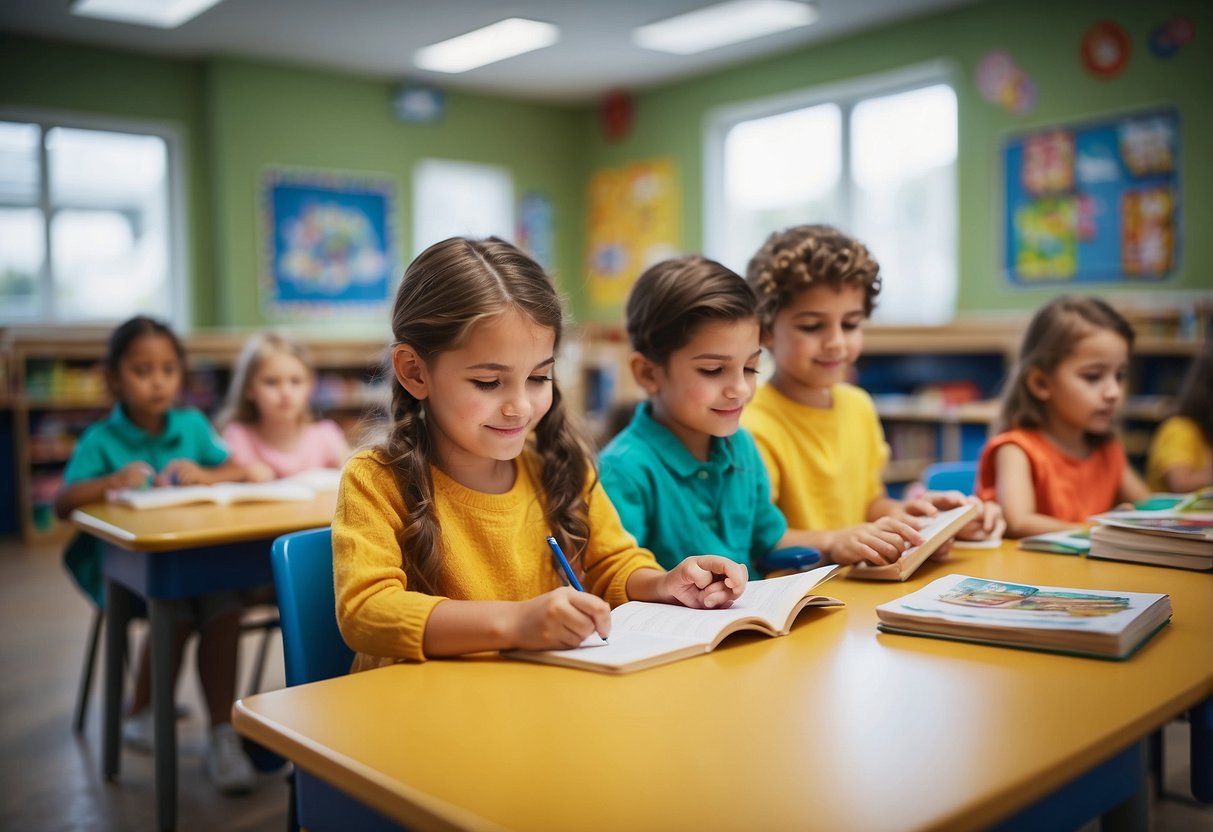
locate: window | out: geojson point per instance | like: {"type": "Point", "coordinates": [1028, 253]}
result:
{"type": "Point", "coordinates": [876, 158]}
{"type": "Point", "coordinates": [86, 223]}
{"type": "Point", "coordinates": [460, 199]}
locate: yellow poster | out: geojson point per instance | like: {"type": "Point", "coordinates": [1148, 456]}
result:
{"type": "Point", "coordinates": [634, 223]}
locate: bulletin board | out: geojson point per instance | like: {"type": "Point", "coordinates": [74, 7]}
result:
{"type": "Point", "coordinates": [633, 223]}
{"type": "Point", "coordinates": [329, 244]}
{"type": "Point", "coordinates": [1096, 202]}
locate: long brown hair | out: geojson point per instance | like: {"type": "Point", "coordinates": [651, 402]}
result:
{"type": "Point", "coordinates": [1052, 334]}
{"type": "Point", "coordinates": [445, 292]}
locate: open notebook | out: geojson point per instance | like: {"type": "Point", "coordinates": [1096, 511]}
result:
{"type": "Point", "coordinates": [302, 486]}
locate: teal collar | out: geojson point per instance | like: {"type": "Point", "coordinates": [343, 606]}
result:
{"type": "Point", "coordinates": [669, 448]}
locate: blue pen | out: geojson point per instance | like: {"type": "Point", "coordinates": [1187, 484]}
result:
{"type": "Point", "coordinates": [564, 564]}
{"type": "Point", "coordinates": [565, 567]}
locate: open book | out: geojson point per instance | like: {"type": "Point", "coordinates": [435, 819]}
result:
{"type": "Point", "coordinates": [646, 634]}
{"type": "Point", "coordinates": [942, 528]}
{"type": "Point", "coordinates": [302, 486]}
{"type": "Point", "coordinates": [1089, 622]}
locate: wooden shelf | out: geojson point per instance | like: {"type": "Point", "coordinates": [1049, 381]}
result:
{"type": "Point", "coordinates": [67, 360]}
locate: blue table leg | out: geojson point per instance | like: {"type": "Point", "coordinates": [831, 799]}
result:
{"type": "Point", "coordinates": [162, 626]}
{"type": "Point", "coordinates": [117, 615]}
{"type": "Point", "coordinates": [1201, 719]}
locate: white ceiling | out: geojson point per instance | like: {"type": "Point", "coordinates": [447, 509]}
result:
{"type": "Point", "coordinates": [376, 38]}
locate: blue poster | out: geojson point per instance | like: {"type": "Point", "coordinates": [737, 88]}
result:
{"type": "Point", "coordinates": [1093, 203]}
{"type": "Point", "coordinates": [330, 243]}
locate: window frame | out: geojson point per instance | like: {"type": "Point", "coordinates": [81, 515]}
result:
{"type": "Point", "coordinates": [846, 95]}
{"type": "Point", "coordinates": [178, 240]}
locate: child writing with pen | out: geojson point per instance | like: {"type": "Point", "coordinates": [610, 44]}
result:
{"type": "Point", "coordinates": [440, 535]}
{"type": "Point", "coordinates": [821, 437]}
{"type": "Point", "coordinates": [148, 439]}
{"type": "Point", "coordinates": [683, 474]}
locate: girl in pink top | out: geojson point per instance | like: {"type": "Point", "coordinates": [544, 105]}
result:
{"type": "Point", "coordinates": [267, 419]}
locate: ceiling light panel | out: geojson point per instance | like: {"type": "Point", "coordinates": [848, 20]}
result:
{"type": "Point", "coordinates": [163, 14]}
{"type": "Point", "coordinates": [722, 24]}
{"type": "Point", "coordinates": [505, 39]}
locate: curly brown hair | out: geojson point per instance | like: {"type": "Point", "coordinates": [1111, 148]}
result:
{"type": "Point", "coordinates": [809, 255]}
{"type": "Point", "coordinates": [452, 286]}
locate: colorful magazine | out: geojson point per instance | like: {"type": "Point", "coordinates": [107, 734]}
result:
{"type": "Point", "coordinates": [1089, 622]}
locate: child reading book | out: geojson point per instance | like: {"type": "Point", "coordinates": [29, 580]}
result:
{"type": "Point", "coordinates": [440, 536]}
{"type": "Point", "coordinates": [820, 437]}
{"type": "Point", "coordinates": [683, 475]}
{"type": "Point", "coordinates": [1056, 459]}
{"type": "Point", "coordinates": [1181, 452]}
{"type": "Point", "coordinates": [148, 438]}
{"type": "Point", "coordinates": [267, 419]}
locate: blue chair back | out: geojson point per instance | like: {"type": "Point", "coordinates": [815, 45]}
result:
{"type": "Point", "coordinates": [951, 476]}
{"type": "Point", "coordinates": [312, 646]}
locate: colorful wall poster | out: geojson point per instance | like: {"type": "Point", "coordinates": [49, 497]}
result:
{"type": "Point", "coordinates": [330, 248]}
{"type": "Point", "coordinates": [633, 223]}
{"type": "Point", "coordinates": [1093, 203]}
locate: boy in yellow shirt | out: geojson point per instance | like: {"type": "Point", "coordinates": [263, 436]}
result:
{"type": "Point", "coordinates": [820, 437]}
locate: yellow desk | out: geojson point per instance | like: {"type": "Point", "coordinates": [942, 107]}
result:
{"type": "Point", "coordinates": [834, 726]}
{"type": "Point", "coordinates": [178, 552]}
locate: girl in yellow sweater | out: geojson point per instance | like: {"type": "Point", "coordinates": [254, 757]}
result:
{"type": "Point", "coordinates": [440, 536]}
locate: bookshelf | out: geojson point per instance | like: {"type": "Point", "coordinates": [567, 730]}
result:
{"type": "Point", "coordinates": [54, 387]}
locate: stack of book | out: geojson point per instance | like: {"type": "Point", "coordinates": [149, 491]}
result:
{"type": "Point", "coordinates": [1182, 539]}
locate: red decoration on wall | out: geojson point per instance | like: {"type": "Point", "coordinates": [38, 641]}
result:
{"type": "Point", "coordinates": [615, 114]}
{"type": "Point", "coordinates": [1105, 49]}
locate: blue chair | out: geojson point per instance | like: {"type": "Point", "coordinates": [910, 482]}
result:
{"type": "Point", "coordinates": [313, 650]}
{"type": "Point", "coordinates": [951, 476]}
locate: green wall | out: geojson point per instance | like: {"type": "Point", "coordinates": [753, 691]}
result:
{"type": "Point", "coordinates": [264, 115]}
{"type": "Point", "coordinates": [240, 117]}
{"type": "Point", "coordinates": [1043, 37]}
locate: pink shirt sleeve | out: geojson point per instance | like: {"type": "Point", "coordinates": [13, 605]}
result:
{"type": "Point", "coordinates": [337, 449]}
{"type": "Point", "coordinates": [239, 441]}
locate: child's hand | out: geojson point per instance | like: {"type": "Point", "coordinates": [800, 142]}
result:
{"type": "Point", "coordinates": [706, 582]}
{"type": "Point", "coordinates": [258, 472]}
{"type": "Point", "coordinates": [131, 475]}
{"type": "Point", "coordinates": [560, 619]}
{"type": "Point", "coordinates": [989, 524]}
{"type": "Point", "coordinates": [181, 472]}
{"type": "Point", "coordinates": [876, 543]}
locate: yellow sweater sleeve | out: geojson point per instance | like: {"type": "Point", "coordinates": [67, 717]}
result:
{"type": "Point", "coordinates": [612, 555]}
{"type": "Point", "coordinates": [377, 614]}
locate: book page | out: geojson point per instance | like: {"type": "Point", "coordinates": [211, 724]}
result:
{"type": "Point", "coordinates": [623, 648]}
{"type": "Point", "coordinates": [220, 493]}
{"type": "Point", "coordinates": [769, 601]}
{"type": "Point", "coordinates": [317, 479]}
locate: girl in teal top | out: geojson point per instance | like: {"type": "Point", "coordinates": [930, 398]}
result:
{"type": "Point", "coordinates": [146, 440]}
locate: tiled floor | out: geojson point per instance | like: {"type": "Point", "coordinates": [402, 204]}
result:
{"type": "Point", "coordinates": [50, 780]}
{"type": "Point", "coordinates": [50, 777]}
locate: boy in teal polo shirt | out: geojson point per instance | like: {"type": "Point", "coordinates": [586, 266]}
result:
{"type": "Point", "coordinates": [685, 479]}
